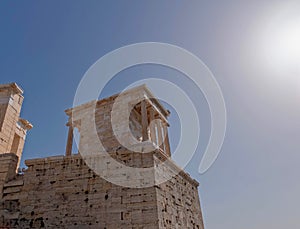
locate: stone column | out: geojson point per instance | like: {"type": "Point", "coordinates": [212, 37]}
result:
{"type": "Point", "coordinates": [159, 134]}
{"type": "Point", "coordinates": [144, 120]}
{"type": "Point", "coordinates": [166, 142]}
{"type": "Point", "coordinates": [69, 142]}
{"type": "Point", "coordinates": [152, 127]}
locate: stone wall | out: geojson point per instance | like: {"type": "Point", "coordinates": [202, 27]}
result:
{"type": "Point", "coordinates": [63, 192]}
{"type": "Point", "coordinates": [8, 165]}
{"type": "Point", "coordinates": [178, 204]}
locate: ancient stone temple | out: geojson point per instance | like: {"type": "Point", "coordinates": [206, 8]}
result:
{"type": "Point", "coordinates": [122, 175]}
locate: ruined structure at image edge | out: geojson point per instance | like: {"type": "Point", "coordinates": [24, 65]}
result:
{"type": "Point", "coordinates": [66, 192]}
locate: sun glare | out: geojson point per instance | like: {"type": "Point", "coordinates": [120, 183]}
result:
{"type": "Point", "coordinates": [281, 41]}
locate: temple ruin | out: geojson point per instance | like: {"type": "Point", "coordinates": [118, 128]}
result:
{"type": "Point", "coordinates": [106, 184]}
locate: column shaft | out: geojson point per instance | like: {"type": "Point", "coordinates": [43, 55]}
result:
{"type": "Point", "coordinates": [144, 120]}
{"type": "Point", "coordinates": [69, 142]}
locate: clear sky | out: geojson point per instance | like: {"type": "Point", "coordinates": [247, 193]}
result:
{"type": "Point", "coordinates": [253, 50]}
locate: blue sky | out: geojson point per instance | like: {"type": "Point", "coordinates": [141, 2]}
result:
{"type": "Point", "coordinates": [47, 46]}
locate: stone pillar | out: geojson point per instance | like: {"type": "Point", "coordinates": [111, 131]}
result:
{"type": "Point", "coordinates": [19, 138]}
{"type": "Point", "coordinates": [159, 134]}
{"type": "Point", "coordinates": [10, 107]}
{"type": "Point", "coordinates": [13, 129]}
{"type": "Point", "coordinates": [144, 120]}
{"type": "Point", "coordinates": [166, 141]}
{"type": "Point", "coordinates": [152, 127]}
{"type": "Point", "coordinates": [69, 142]}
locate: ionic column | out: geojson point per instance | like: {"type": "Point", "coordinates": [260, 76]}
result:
{"type": "Point", "coordinates": [152, 127]}
{"type": "Point", "coordinates": [69, 141]}
{"type": "Point", "coordinates": [144, 120]}
{"type": "Point", "coordinates": [159, 134]}
{"type": "Point", "coordinates": [166, 142]}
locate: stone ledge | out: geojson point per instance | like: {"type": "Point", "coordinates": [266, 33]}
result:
{"type": "Point", "coordinates": [14, 183]}
{"type": "Point", "coordinates": [160, 155]}
{"type": "Point", "coordinates": [8, 155]}
{"type": "Point", "coordinates": [35, 161]}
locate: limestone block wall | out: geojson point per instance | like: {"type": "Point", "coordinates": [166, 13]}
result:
{"type": "Point", "coordinates": [104, 127]}
{"type": "Point", "coordinates": [177, 196]}
{"type": "Point", "coordinates": [178, 204]}
{"type": "Point", "coordinates": [8, 165]}
{"type": "Point", "coordinates": [63, 192]}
